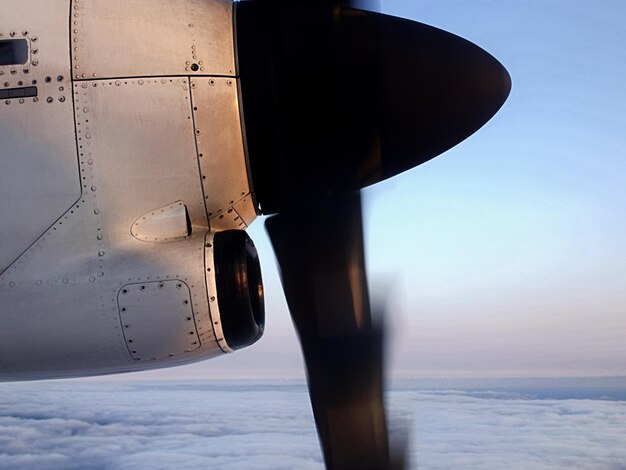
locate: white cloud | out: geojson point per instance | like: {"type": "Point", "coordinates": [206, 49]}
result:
{"type": "Point", "coordinates": [256, 425]}
{"type": "Point", "coordinates": [134, 426]}
{"type": "Point", "coordinates": [501, 430]}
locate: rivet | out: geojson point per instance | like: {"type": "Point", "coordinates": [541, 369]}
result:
{"type": "Point", "coordinates": [35, 62]}
{"type": "Point", "coordinates": [90, 162]}
{"type": "Point", "coordinates": [21, 100]}
{"type": "Point", "coordinates": [49, 99]}
{"type": "Point", "coordinates": [118, 83]}
{"type": "Point", "coordinates": [140, 82]}
{"type": "Point", "coordinates": [60, 78]}
{"type": "Point", "coordinates": [212, 82]}
{"type": "Point", "coordinates": [35, 99]}
{"type": "Point", "coordinates": [24, 33]}
{"type": "Point", "coordinates": [13, 71]}
{"type": "Point", "coordinates": [12, 34]}
{"type": "Point", "coordinates": [34, 39]}
{"type": "Point", "coordinates": [99, 237]}
{"type": "Point", "coordinates": [85, 110]}
{"type": "Point", "coordinates": [65, 280]}
{"type": "Point", "coordinates": [93, 188]}
{"type": "Point", "coordinates": [92, 279]}
{"type": "Point", "coordinates": [62, 99]}
{"type": "Point", "coordinates": [35, 51]}
{"type": "Point", "coordinates": [26, 70]}
{"type": "Point", "coordinates": [101, 253]}
{"type": "Point", "coordinates": [38, 283]}
{"type": "Point", "coordinates": [100, 274]}
{"type": "Point", "coordinates": [212, 299]}
{"type": "Point", "coordinates": [96, 211]}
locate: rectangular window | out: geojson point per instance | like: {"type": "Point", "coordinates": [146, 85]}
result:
{"type": "Point", "coordinates": [13, 51]}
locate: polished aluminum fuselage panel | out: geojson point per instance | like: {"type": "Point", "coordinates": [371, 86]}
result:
{"type": "Point", "coordinates": [111, 179]}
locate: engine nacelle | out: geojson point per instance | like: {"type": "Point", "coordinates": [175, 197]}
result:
{"type": "Point", "coordinates": [124, 189]}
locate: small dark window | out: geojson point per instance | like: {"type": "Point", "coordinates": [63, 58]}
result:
{"type": "Point", "coordinates": [13, 51]}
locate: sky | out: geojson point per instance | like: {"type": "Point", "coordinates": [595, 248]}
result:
{"type": "Point", "coordinates": [506, 255]}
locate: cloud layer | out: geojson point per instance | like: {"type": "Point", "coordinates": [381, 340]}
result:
{"type": "Point", "coordinates": [254, 425]}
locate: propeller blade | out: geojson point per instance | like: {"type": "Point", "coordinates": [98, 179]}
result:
{"type": "Point", "coordinates": [335, 99]}
{"type": "Point", "coordinates": [320, 255]}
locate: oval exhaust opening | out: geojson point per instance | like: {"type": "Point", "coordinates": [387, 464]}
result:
{"type": "Point", "coordinates": [239, 288]}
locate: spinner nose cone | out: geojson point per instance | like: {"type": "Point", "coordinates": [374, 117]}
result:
{"type": "Point", "coordinates": [438, 89]}
{"type": "Point", "coordinates": [335, 98]}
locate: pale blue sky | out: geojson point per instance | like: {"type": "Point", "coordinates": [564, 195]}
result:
{"type": "Point", "coordinates": [506, 256]}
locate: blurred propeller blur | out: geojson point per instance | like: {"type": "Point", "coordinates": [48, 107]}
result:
{"type": "Point", "coordinates": [334, 99]}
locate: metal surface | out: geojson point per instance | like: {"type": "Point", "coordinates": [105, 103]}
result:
{"type": "Point", "coordinates": [219, 139]}
{"type": "Point", "coordinates": [157, 319]}
{"type": "Point", "coordinates": [94, 169]}
{"type": "Point", "coordinates": [164, 224]}
{"type": "Point", "coordinates": [133, 38]}
{"type": "Point", "coordinates": [38, 165]}
{"type": "Point", "coordinates": [136, 152]}
{"type": "Point", "coordinates": [211, 288]}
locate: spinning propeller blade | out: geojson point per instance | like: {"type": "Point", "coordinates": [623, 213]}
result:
{"type": "Point", "coordinates": [335, 99]}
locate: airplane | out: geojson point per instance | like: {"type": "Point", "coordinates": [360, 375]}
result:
{"type": "Point", "coordinates": [140, 138]}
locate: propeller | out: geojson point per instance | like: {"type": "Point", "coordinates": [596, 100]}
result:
{"type": "Point", "coordinates": [335, 99]}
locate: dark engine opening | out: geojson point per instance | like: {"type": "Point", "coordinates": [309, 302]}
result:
{"type": "Point", "coordinates": [239, 288]}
